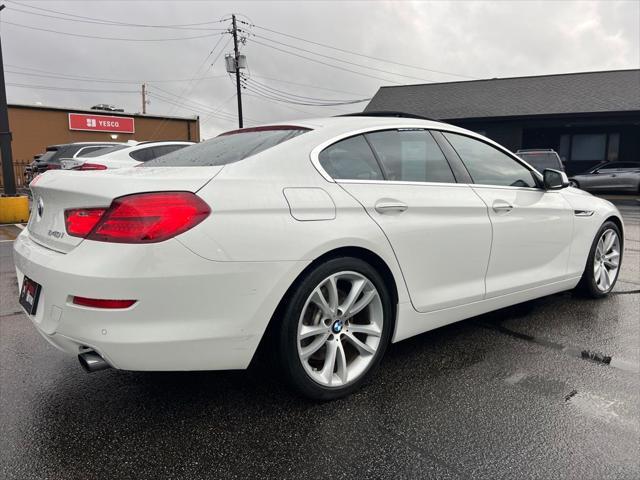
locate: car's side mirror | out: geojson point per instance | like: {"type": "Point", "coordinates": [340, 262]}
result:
{"type": "Point", "coordinates": [554, 179]}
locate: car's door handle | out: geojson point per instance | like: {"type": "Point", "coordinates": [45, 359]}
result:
{"type": "Point", "coordinates": [501, 206]}
{"type": "Point", "coordinates": [390, 206]}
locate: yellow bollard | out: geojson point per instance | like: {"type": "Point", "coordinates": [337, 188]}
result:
{"type": "Point", "coordinates": [14, 209]}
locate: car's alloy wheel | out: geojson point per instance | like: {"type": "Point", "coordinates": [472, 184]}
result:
{"type": "Point", "coordinates": [603, 263]}
{"type": "Point", "coordinates": [606, 260]}
{"type": "Point", "coordinates": [335, 328]}
{"type": "Point", "coordinates": [339, 329]}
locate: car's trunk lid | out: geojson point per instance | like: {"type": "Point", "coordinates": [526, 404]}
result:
{"type": "Point", "coordinates": [56, 191]}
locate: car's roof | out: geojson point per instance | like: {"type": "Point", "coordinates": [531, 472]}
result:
{"type": "Point", "coordinates": [323, 128]}
{"type": "Point", "coordinates": [359, 122]}
{"type": "Point", "coordinates": [81, 144]}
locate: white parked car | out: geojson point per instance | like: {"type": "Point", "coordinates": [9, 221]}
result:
{"type": "Point", "coordinates": [336, 235]}
{"type": "Point", "coordinates": [130, 154]}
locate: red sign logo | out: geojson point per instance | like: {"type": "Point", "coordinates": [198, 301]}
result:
{"type": "Point", "coordinates": [101, 123]}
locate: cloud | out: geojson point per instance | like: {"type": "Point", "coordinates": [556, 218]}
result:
{"type": "Point", "coordinates": [476, 39]}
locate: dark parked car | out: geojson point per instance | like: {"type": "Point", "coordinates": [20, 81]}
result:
{"type": "Point", "coordinates": [541, 158]}
{"type": "Point", "coordinates": [610, 176]}
{"type": "Point", "coordinates": [107, 108]}
{"type": "Point", "coordinates": [50, 159]}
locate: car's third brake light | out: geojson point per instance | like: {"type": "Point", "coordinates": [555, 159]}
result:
{"type": "Point", "coordinates": [90, 166]}
{"type": "Point", "coordinates": [146, 217]}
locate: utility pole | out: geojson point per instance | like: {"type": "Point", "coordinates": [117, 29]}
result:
{"type": "Point", "coordinates": [236, 55]}
{"type": "Point", "coordinates": [144, 98]}
{"type": "Point", "coordinates": [8, 178]}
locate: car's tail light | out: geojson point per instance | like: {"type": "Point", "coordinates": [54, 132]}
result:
{"type": "Point", "coordinates": [141, 218]}
{"type": "Point", "coordinates": [80, 221]}
{"type": "Point", "coordinates": [102, 303]}
{"type": "Point", "coordinates": [90, 166]}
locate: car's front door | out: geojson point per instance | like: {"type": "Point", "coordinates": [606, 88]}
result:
{"type": "Point", "coordinates": [439, 229]}
{"type": "Point", "coordinates": [532, 227]}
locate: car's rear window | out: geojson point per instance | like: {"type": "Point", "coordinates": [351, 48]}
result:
{"type": "Point", "coordinates": [228, 148]}
{"type": "Point", "coordinates": [107, 150]}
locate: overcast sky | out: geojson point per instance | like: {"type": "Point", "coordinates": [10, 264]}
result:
{"type": "Point", "coordinates": [462, 38]}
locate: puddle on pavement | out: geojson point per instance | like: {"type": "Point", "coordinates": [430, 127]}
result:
{"type": "Point", "coordinates": [584, 354]}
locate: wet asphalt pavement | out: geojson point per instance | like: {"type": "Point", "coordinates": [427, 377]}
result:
{"type": "Point", "coordinates": [549, 389]}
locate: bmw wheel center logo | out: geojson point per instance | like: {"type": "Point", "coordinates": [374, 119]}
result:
{"type": "Point", "coordinates": [337, 326]}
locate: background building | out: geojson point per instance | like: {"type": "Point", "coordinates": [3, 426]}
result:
{"type": "Point", "coordinates": [587, 118]}
{"type": "Point", "coordinates": [34, 128]}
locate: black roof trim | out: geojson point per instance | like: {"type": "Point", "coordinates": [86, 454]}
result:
{"type": "Point", "coordinates": [388, 113]}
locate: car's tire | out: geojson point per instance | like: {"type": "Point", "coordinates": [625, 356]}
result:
{"type": "Point", "coordinates": [326, 352]}
{"type": "Point", "coordinates": [574, 183]}
{"type": "Point", "coordinates": [603, 265]}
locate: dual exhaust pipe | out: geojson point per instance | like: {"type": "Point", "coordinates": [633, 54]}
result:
{"type": "Point", "coordinates": [91, 361]}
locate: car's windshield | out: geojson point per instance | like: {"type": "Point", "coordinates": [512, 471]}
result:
{"type": "Point", "coordinates": [228, 148]}
{"type": "Point", "coordinates": [541, 160]}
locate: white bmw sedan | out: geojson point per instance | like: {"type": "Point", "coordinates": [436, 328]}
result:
{"type": "Point", "coordinates": [336, 236]}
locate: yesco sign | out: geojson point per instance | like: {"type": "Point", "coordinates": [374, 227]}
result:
{"type": "Point", "coordinates": [101, 123]}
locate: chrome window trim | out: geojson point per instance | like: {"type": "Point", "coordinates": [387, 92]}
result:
{"type": "Point", "coordinates": [315, 153]}
{"type": "Point", "coordinates": [400, 182]}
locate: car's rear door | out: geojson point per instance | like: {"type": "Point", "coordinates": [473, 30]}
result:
{"type": "Point", "coordinates": [438, 228]}
{"type": "Point", "coordinates": [532, 227]}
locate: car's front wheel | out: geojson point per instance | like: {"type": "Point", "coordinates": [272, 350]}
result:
{"type": "Point", "coordinates": [603, 264]}
{"type": "Point", "coordinates": [335, 328]}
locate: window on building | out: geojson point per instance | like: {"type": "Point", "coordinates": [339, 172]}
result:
{"type": "Point", "coordinates": [614, 147]}
{"type": "Point", "coordinates": [589, 147]}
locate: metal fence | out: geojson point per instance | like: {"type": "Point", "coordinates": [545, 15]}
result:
{"type": "Point", "coordinates": [18, 172]}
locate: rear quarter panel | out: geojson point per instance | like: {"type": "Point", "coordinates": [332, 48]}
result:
{"type": "Point", "coordinates": [251, 219]}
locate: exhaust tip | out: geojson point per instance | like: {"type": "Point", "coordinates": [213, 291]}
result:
{"type": "Point", "coordinates": [92, 362]}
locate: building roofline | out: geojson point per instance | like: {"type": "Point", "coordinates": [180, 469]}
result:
{"type": "Point", "coordinates": [194, 118]}
{"type": "Point", "coordinates": [513, 78]}
{"type": "Point", "coordinates": [542, 116]}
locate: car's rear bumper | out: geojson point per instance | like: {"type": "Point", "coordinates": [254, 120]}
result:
{"type": "Point", "coordinates": [191, 313]}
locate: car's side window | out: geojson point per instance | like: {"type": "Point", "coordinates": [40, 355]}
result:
{"type": "Point", "coordinates": [350, 159]}
{"type": "Point", "coordinates": [411, 156]}
{"type": "Point", "coordinates": [489, 166]}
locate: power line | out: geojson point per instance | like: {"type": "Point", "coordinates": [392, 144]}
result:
{"type": "Point", "coordinates": [195, 104]}
{"type": "Point", "coordinates": [216, 109]}
{"type": "Point", "coordinates": [62, 76]}
{"type": "Point", "coordinates": [189, 107]}
{"type": "Point", "coordinates": [111, 38]}
{"type": "Point", "coordinates": [66, 89]}
{"type": "Point", "coordinates": [360, 54]}
{"type": "Point", "coordinates": [284, 105]}
{"type": "Point", "coordinates": [279, 98]}
{"type": "Point", "coordinates": [112, 22]}
{"type": "Point", "coordinates": [187, 90]}
{"type": "Point", "coordinates": [325, 63]}
{"type": "Point", "coordinates": [279, 80]}
{"type": "Point", "coordinates": [342, 61]}
{"type": "Point", "coordinates": [303, 97]}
